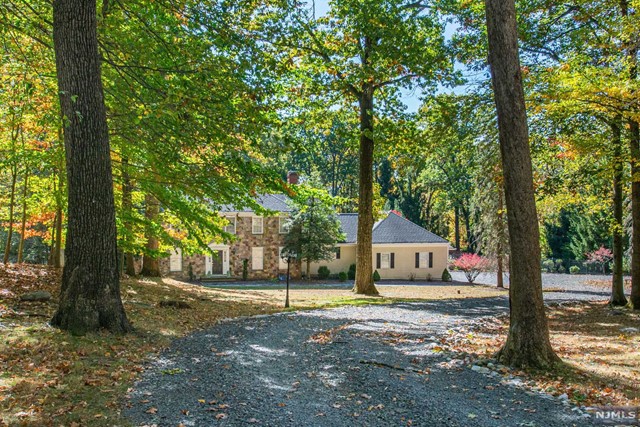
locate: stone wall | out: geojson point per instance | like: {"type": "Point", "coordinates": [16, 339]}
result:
{"type": "Point", "coordinates": [270, 239]}
{"type": "Point", "coordinates": [197, 263]}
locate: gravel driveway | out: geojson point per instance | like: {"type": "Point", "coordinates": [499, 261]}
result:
{"type": "Point", "coordinates": [364, 366]}
{"type": "Point", "coordinates": [565, 286]}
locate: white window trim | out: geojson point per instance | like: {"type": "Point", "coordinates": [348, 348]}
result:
{"type": "Point", "coordinates": [232, 221]}
{"type": "Point", "coordinates": [282, 220]}
{"type": "Point", "coordinates": [423, 260]}
{"type": "Point", "coordinates": [382, 254]}
{"type": "Point", "coordinates": [177, 252]}
{"type": "Point", "coordinates": [255, 258]}
{"type": "Point", "coordinates": [254, 222]}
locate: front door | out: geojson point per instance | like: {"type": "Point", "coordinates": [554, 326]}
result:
{"type": "Point", "coordinates": [216, 262]}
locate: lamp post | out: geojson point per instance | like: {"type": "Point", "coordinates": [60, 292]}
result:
{"type": "Point", "coordinates": [287, 257]}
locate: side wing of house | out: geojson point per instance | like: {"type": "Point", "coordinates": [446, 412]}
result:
{"type": "Point", "coordinates": [402, 250]}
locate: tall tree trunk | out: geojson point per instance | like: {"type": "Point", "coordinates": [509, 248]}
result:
{"type": "Point", "coordinates": [57, 248]}
{"type": "Point", "coordinates": [150, 264]}
{"type": "Point", "coordinates": [634, 145]}
{"type": "Point", "coordinates": [90, 293]}
{"type": "Point", "coordinates": [127, 206]}
{"type": "Point", "coordinates": [500, 237]}
{"type": "Point", "coordinates": [528, 340]}
{"type": "Point", "coordinates": [12, 199]}
{"type": "Point", "coordinates": [617, 283]}
{"type": "Point", "coordinates": [23, 221]}
{"type": "Point", "coordinates": [467, 225]}
{"type": "Point", "coordinates": [456, 214]}
{"type": "Point", "coordinates": [364, 251]}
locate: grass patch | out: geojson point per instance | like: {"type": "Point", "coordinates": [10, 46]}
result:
{"type": "Point", "coordinates": [50, 378]}
{"type": "Point", "coordinates": [601, 362]}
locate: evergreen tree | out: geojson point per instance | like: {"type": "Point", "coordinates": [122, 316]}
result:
{"type": "Point", "coordinates": [313, 229]}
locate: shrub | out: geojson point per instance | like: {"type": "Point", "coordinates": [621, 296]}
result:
{"type": "Point", "coordinates": [429, 277]}
{"type": "Point", "coordinates": [412, 277]}
{"type": "Point", "coordinates": [245, 269]}
{"type": "Point", "coordinates": [342, 276]}
{"type": "Point", "coordinates": [324, 272]}
{"type": "Point", "coordinates": [574, 269]}
{"type": "Point", "coordinates": [376, 276]}
{"type": "Point", "coordinates": [600, 257]}
{"type": "Point", "coordinates": [548, 265]}
{"type": "Point", "coordinates": [561, 269]}
{"type": "Point", "coordinates": [352, 272]}
{"type": "Point", "coordinates": [446, 276]}
{"type": "Point", "coordinates": [471, 265]}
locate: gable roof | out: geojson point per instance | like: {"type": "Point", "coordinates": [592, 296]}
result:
{"type": "Point", "coordinates": [396, 229]}
{"type": "Point", "coordinates": [392, 229]}
{"type": "Point", "coordinates": [349, 226]}
{"type": "Point", "coordinates": [272, 202]}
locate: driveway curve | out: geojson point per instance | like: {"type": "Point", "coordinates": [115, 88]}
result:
{"type": "Point", "coordinates": [379, 365]}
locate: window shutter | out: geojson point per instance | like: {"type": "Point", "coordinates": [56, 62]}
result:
{"type": "Point", "coordinates": [337, 253]}
{"type": "Point", "coordinates": [417, 259]}
{"type": "Point", "coordinates": [391, 260]}
{"type": "Point", "coordinates": [430, 259]}
{"type": "Point", "coordinates": [378, 260]}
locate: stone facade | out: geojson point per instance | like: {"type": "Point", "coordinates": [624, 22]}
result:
{"type": "Point", "coordinates": [197, 269]}
{"type": "Point", "coordinates": [271, 240]}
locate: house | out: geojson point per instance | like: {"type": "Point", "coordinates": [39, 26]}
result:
{"type": "Point", "coordinates": [401, 249]}
{"type": "Point", "coordinates": [258, 243]}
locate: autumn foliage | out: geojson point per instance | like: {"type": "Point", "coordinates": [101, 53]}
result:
{"type": "Point", "coordinates": [471, 264]}
{"type": "Point", "coordinates": [601, 256]}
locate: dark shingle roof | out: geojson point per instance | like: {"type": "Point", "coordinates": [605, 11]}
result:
{"type": "Point", "coordinates": [392, 229]}
{"type": "Point", "coordinates": [272, 202]}
{"type": "Point", "coordinates": [349, 226]}
{"type": "Point", "coordinates": [396, 229]}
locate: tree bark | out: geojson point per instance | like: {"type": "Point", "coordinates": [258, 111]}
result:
{"type": "Point", "coordinates": [127, 205]}
{"type": "Point", "coordinates": [634, 146]}
{"type": "Point", "coordinates": [456, 215]}
{"type": "Point", "coordinates": [23, 222]}
{"type": "Point", "coordinates": [617, 284]}
{"type": "Point", "coordinates": [12, 199]}
{"type": "Point", "coordinates": [90, 293]}
{"type": "Point", "coordinates": [56, 257]}
{"type": "Point", "coordinates": [150, 263]}
{"type": "Point", "coordinates": [499, 249]}
{"type": "Point", "coordinates": [528, 339]}
{"type": "Point", "coordinates": [364, 251]}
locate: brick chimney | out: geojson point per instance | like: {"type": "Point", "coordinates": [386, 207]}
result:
{"type": "Point", "coordinates": [292, 177]}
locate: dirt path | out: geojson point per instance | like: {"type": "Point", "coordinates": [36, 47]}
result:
{"type": "Point", "coordinates": [370, 366]}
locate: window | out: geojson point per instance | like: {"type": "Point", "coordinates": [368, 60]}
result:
{"type": "Point", "coordinates": [282, 264]}
{"type": "Point", "coordinates": [175, 260]}
{"type": "Point", "coordinates": [385, 260]}
{"type": "Point", "coordinates": [337, 253]}
{"type": "Point", "coordinates": [257, 258]}
{"type": "Point", "coordinates": [256, 224]}
{"type": "Point", "coordinates": [231, 227]}
{"type": "Point", "coordinates": [424, 259]}
{"type": "Point", "coordinates": [284, 228]}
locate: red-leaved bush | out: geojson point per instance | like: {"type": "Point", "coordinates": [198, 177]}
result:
{"type": "Point", "coordinates": [601, 256]}
{"type": "Point", "coordinates": [471, 265]}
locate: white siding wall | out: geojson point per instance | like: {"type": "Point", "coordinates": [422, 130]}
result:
{"type": "Point", "coordinates": [404, 261]}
